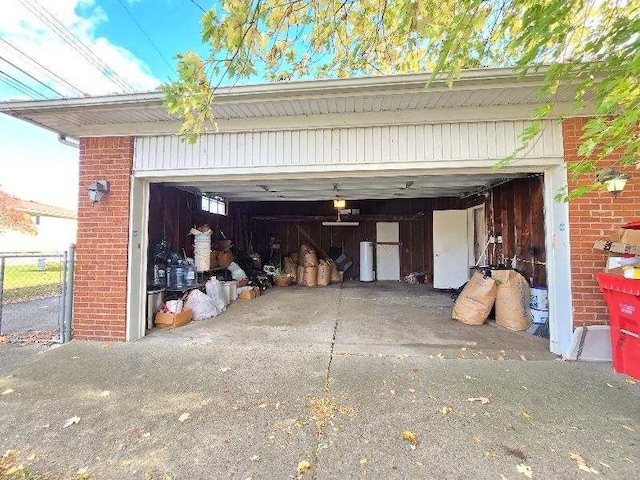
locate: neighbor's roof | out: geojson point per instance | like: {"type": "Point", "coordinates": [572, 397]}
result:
{"type": "Point", "coordinates": [44, 210]}
{"type": "Point", "coordinates": [143, 113]}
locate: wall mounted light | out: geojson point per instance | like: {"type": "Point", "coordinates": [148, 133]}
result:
{"type": "Point", "coordinates": [613, 180]}
{"type": "Point", "coordinates": [98, 190]}
{"type": "Point", "coordinates": [339, 203]}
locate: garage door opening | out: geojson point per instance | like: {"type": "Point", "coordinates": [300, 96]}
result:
{"type": "Point", "coordinates": [429, 231]}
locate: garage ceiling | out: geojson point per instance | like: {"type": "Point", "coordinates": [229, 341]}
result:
{"type": "Point", "coordinates": [350, 188]}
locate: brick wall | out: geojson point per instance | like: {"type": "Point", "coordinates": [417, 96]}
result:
{"type": "Point", "coordinates": [100, 291]}
{"type": "Point", "coordinates": [594, 217]}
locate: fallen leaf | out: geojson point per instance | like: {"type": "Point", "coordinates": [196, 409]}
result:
{"type": "Point", "coordinates": [225, 369]}
{"type": "Point", "coordinates": [392, 392]}
{"type": "Point", "coordinates": [587, 468]}
{"type": "Point", "coordinates": [262, 405]}
{"type": "Point", "coordinates": [476, 439]}
{"type": "Point", "coordinates": [467, 377]}
{"type": "Point", "coordinates": [8, 391]}
{"type": "Point", "coordinates": [106, 393]}
{"type": "Point", "coordinates": [525, 470]}
{"type": "Point", "coordinates": [630, 381]}
{"type": "Point", "coordinates": [303, 466]}
{"type": "Point", "coordinates": [627, 427]}
{"type": "Point", "coordinates": [71, 421]}
{"type": "Point", "coordinates": [184, 416]}
{"type": "Point", "coordinates": [363, 461]}
{"type": "Point", "coordinates": [482, 400]}
{"type": "Point", "coordinates": [523, 358]}
{"type": "Point", "coordinates": [255, 458]}
{"type": "Point", "coordinates": [446, 410]}
{"type": "Point", "coordinates": [526, 414]}
{"type": "Point", "coordinates": [411, 438]}
{"type": "Point", "coordinates": [604, 464]}
{"type": "Point", "coordinates": [31, 457]}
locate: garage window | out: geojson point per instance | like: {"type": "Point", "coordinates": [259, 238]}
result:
{"type": "Point", "coordinates": [215, 205]}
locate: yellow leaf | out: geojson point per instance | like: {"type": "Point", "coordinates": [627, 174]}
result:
{"type": "Point", "coordinates": [446, 410]}
{"type": "Point", "coordinates": [630, 381]}
{"type": "Point", "coordinates": [8, 391]}
{"type": "Point", "coordinates": [303, 467]}
{"type": "Point", "coordinates": [526, 414]}
{"type": "Point", "coordinates": [410, 437]}
{"type": "Point", "coordinates": [627, 427]}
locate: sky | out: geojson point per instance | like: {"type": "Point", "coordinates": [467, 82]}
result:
{"type": "Point", "coordinates": [47, 46]}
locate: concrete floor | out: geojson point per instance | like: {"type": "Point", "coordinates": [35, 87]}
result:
{"type": "Point", "coordinates": [369, 318]}
{"type": "Point", "coordinates": [329, 376]}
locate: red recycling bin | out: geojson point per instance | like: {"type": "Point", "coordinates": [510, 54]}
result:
{"type": "Point", "coordinates": [623, 299]}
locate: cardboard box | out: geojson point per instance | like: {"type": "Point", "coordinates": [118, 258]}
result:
{"type": "Point", "coordinates": [249, 294]}
{"type": "Point", "coordinates": [628, 236]}
{"type": "Point", "coordinates": [616, 247]}
{"type": "Point", "coordinates": [620, 271]}
{"type": "Point", "coordinates": [173, 320]}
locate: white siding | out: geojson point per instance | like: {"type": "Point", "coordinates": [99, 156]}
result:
{"type": "Point", "coordinates": [490, 141]}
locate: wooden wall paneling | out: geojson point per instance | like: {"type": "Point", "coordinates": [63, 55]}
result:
{"type": "Point", "coordinates": [538, 230]}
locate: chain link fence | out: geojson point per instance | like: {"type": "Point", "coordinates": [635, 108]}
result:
{"type": "Point", "coordinates": [35, 291]}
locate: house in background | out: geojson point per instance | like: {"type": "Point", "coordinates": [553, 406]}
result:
{"type": "Point", "coordinates": [57, 228]}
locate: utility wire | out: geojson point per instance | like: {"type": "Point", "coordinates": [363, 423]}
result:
{"type": "Point", "coordinates": [18, 85]}
{"type": "Point", "coordinates": [31, 76]}
{"type": "Point", "coordinates": [145, 34]}
{"type": "Point", "coordinates": [72, 40]}
{"type": "Point", "coordinates": [198, 5]}
{"type": "Point", "coordinates": [73, 87]}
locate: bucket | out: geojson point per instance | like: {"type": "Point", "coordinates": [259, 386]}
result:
{"type": "Point", "coordinates": [539, 298]}
{"type": "Point", "coordinates": [226, 286]}
{"type": "Point", "coordinates": [539, 316]}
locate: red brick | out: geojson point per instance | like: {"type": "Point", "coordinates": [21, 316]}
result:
{"type": "Point", "coordinates": [100, 291]}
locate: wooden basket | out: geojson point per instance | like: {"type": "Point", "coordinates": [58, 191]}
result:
{"type": "Point", "coordinates": [282, 280]}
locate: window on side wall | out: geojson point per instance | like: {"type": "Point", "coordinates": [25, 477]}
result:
{"type": "Point", "coordinates": [215, 205]}
{"type": "Point", "coordinates": [36, 220]}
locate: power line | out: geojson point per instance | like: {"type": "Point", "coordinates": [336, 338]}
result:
{"type": "Point", "coordinates": [31, 76]}
{"type": "Point", "coordinates": [74, 42]}
{"type": "Point", "coordinates": [18, 85]}
{"type": "Point", "coordinates": [198, 5]}
{"type": "Point", "coordinates": [145, 34]}
{"type": "Point", "coordinates": [73, 87]}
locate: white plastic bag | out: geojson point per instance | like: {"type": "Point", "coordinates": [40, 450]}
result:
{"type": "Point", "coordinates": [201, 305]}
{"type": "Point", "coordinates": [215, 291]}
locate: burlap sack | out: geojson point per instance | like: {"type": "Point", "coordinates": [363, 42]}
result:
{"type": "Point", "coordinates": [308, 256]}
{"type": "Point", "coordinates": [512, 300]}
{"type": "Point", "coordinates": [335, 274]}
{"type": "Point", "coordinates": [300, 275]}
{"type": "Point", "coordinates": [290, 268]}
{"type": "Point", "coordinates": [324, 274]}
{"type": "Point", "coordinates": [295, 257]}
{"type": "Point", "coordinates": [474, 303]}
{"type": "Point", "coordinates": [310, 276]}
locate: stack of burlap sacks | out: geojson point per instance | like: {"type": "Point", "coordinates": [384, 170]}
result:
{"type": "Point", "coordinates": [308, 271]}
{"type": "Point", "coordinates": [507, 289]}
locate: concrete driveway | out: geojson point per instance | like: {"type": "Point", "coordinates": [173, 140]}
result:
{"type": "Point", "coordinates": [328, 379]}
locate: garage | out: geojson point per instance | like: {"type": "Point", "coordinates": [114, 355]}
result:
{"type": "Point", "coordinates": [414, 166]}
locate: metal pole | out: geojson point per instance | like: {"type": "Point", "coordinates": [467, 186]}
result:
{"type": "Point", "coordinates": [1, 289]}
{"type": "Point", "coordinates": [68, 297]}
{"type": "Point", "coordinates": [63, 289]}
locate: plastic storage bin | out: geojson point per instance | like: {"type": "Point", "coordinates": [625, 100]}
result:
{"type": "Point", "coordinates": [623, 299]}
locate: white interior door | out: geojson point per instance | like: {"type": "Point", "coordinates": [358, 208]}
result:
{"type": "Point", "coordinates": [450, 248]}
{"type": "Point", "coordinates": [388, 251]}
{"type": "Point", "coordinates": [137, 271]}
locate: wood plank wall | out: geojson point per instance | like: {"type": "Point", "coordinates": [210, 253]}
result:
{"type": "Point", "coordinates": [174, 212]}
{"type": "Point", "coordinates": [283, 221]}
{"type": "Point", "coordinates": [515, 210]}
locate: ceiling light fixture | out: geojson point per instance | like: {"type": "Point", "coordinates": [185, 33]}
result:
{"type": "Point", "coordinates": [339, 203]}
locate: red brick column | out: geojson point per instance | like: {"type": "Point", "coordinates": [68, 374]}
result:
{"type": "Point", "coordinates": [596, 216]}
{"type": "Point", "coordinates": [100, 290]}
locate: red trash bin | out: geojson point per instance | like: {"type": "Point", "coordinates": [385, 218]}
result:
{"type": "Point", "coordinates": [623, 299]}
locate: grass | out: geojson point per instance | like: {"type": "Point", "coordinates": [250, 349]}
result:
{"type": "Point", "coordinates": [26, 282]}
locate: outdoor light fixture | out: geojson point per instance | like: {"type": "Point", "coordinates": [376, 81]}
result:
{"type": "Point", "coordinates": [98, 190]}
{"type": "Point", "coordinates": [613, 180]}
{"type": "Point", "coordinates": [339, 203]}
